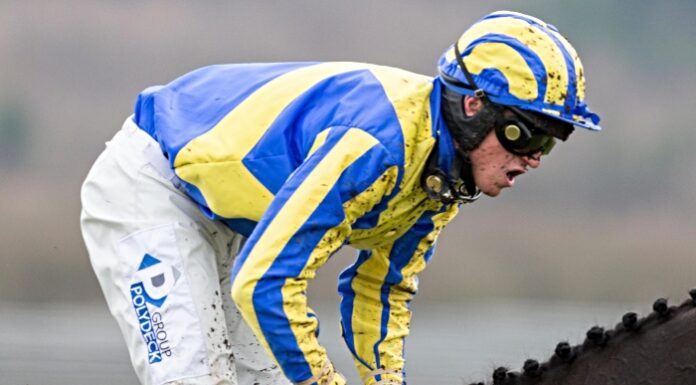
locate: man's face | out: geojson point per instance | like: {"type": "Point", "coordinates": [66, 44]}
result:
{"type": "Point", "coordinates": [495, 168]}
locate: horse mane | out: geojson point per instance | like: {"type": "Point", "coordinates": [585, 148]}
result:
{"type": "Point", "coordinates": [659, 348]}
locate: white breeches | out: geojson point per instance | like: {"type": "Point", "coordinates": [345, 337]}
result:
{"type": "Point", "coordinates": [164, 270]}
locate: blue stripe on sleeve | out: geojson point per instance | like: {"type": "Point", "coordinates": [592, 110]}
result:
{"type": "Point", "coordinates": [268, 297]}
{"type": "Point", "coordinates": [403, 250]}
{"type": "Point", "coordinates": [401, 254]}
{"type": "Point", "coordinates": [345, 282]}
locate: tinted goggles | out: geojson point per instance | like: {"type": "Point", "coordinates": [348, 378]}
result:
{"type": "Point", "coordinates": [536, 143]}
{"type": "Point", "coordinates": [527, 135]}
{"type": "Point", "coordinates": [541, 143]}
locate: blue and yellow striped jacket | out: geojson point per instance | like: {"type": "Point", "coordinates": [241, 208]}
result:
{"type": "Point", "coordinates": [302, 158]}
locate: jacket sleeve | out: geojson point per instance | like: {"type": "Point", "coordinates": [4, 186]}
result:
{"type": "Point", "coordinates": [308, 220]}
{"type": "Point", "coordinates": [376, 292]}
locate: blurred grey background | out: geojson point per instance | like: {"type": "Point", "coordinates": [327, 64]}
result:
{"type": "Point", "coordinates": [609, 217]}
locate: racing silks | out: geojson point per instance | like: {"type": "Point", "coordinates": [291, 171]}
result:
{"type": "Point", "coordinates": [302, 158]}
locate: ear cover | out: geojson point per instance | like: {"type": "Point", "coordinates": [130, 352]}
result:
{"type": "Point", "coordinates": [467, 131]}
{"type": "Point", "coordinates": [513, 134]}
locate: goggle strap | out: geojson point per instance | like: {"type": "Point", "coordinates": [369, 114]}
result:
{"type": "Point", "coordinates": [470, 79]}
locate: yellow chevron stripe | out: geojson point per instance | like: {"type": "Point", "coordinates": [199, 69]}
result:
{"type": "Point", "coordinates": [213, 161]}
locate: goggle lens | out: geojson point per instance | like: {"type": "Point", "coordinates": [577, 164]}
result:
{"type": "Point", "coordinates": [543, 143]}
{"type": "Point", "coordinates": [539, 143]}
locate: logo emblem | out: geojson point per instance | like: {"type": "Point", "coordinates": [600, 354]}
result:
{"type": "Point", "coordinates": [158, 279]}
{"type": "Point", "coordinates": [152, 282]}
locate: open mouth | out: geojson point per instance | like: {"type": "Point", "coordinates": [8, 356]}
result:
{"type": "Point", "coordinates": [512, 174]}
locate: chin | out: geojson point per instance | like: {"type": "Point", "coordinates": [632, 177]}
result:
{"type": "Point", "coordinates": [492, 192]}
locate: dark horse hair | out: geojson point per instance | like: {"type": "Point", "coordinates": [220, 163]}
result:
{"type": "Point", "coordinates": [658, 349]}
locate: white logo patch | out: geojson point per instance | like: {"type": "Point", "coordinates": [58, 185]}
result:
{"type": "Point", "coordinates": [163, 308]}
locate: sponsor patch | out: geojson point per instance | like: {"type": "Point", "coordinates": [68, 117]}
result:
{"type": "Point", "coordinates": [163, 307]}
{"type": "Point", "coordinates": [155, 280]}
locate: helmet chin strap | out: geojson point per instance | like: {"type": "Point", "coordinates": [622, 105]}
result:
{"type": "Point", "coordinates": [468, 190]}
{"type": "Point", "coordinates": [457, 187]}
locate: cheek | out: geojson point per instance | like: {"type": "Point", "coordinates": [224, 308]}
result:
{"type": "Point", "coordinates": [505, 160]}
{"type": "Point", "coordinates": [485, 171]}
{"type": "Point", "coordinates": [481, 163]}
{"type": "Point", "coordinates": [490, 157]}
{"type": "Point", "coordinates": [488, 161]}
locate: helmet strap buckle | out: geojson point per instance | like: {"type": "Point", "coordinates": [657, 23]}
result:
{"type": "Point", "coordinates": [459, 187]}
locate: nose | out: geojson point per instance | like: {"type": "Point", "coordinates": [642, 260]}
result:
{"type": "Point", "coordinates": [533, 160]}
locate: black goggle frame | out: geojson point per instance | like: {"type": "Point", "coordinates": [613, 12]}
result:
{"type": "Point", "coordinates": [523, 138]}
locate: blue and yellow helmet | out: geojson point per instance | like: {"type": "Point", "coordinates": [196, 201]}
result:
{"type": "Point", "coordinates": [521, 61]}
